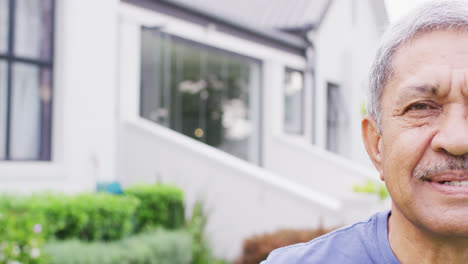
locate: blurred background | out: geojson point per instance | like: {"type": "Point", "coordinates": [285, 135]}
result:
{"type": "Point", "coordinates": [183, 131]}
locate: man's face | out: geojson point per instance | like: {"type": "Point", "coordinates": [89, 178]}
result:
{"type": "Point", "coordinates": [422, 153]}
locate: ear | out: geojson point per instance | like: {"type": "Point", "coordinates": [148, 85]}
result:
{"type": "Point", "coordinates": [373, 142]}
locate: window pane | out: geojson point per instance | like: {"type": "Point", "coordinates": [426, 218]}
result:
{"type": "Point", "coordinates": [254, 103]}
{"type": "Point", "coordinates": [201, 92]}
{"type": "Point", "coordinates": [45, 90]}
{"type": "Point", "coordinates": [25, 113]}
{"type": "Point", "coordinates": [3, 25]}
{"type": "Point", "coordinates": [152, 78]}
{"type": "Point", "coordinates": [215, 85]}
{"type": "Point", "coordinates": [293, 101]}
{"type": "Point", "coordinates": [3, 108]}
{"type": "Point", "coordinates": [336, 120]}
{"type": "Point", "coordinates": [190, 89]}
{"type": "Point", "coordinates": [33, 29]}
{"type": "Point", "coordinates": [237, 115]}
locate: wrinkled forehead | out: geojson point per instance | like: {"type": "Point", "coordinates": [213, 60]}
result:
{"type": "Point", "coordinates": [429, 56]}
{"type": "Point", "coordinates": [440, 42]}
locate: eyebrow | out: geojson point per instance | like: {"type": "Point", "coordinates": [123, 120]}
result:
{"type": "Point", "coordinates": [419, 90]}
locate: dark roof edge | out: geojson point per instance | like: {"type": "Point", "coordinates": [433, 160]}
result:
{"type": "Point", "coordinates": [272, 35]}
{"type": "Point", "coordinates": [324, 13]}
{"type": "Point", "coordinates": [300, 29]}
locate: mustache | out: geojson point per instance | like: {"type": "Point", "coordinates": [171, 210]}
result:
{"type": "Point", "coordinates": [451, 163]}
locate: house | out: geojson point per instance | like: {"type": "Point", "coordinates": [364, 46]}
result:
{"type": "Point", "coordinates": [252, 107]}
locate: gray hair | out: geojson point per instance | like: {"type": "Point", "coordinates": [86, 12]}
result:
{"type": "Point", "coordinates": [432, 16]}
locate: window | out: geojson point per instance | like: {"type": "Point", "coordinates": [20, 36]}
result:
{"type": "Point", "coordinates": [205, 93]}
{"type": "Point", "coordinates": [336, 119]}
{"type": "Point", "coordinates": [293, 101]}
{"type": "Point", "coordinates": [26, 45]}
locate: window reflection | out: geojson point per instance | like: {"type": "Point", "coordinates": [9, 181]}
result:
{"type": "Point", "coordinates": [201, 92]}
{"type": "Point", "coordinates": [33, 27]}
{"type": "Point", "coordinates": [3, 25]}
{"type": "Point", "coordinates": [25, 124]}
{"type": "Point", "coordinates": [337, 117]}
{"type": "Point", "coordinates": [293, 101]}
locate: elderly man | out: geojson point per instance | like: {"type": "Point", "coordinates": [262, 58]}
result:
{"type": "Point", "coordinates": [416, 134]}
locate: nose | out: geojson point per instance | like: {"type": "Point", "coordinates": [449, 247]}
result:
{"type": "Point", "coordinates": [452, 136]}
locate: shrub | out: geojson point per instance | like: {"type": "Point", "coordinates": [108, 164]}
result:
{"type": "Point", "coordinates": [196, 226]}
{"type": "Point", "coordinates": [257, 248]}
{"type": "Point", "coordinates": [21, 234]}
{"type": "Point", "coordinates": [160, 246]}
{"type": "Point", "coordinates": [53, 208]}
{"type": "Point", "coordinates": [161, 205]}
{"type": "Point", "coordinates": [108, 217]}
{"type": "Point", "coordinates": [86, 216]}
{"type": "Point", "coordinates": [372, 187]}
{"type": "Point", "coordinates": [201, 251]}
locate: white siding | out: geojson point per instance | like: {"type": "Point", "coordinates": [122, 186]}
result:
{"type": "Point", "coordinates": [84, 124]}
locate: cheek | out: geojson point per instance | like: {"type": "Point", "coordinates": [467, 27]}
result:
{"type": "Point", "coordinates": [403, 149]}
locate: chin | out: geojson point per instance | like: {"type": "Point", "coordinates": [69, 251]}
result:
{"type": "Point", "coordinates": [450, 223]}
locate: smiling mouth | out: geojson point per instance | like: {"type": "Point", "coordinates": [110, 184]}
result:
{"type": "Point", "coordinates": [450, 187]}
{"type": "Point", "coordinates": [455, 183]}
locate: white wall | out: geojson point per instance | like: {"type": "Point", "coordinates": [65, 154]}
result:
{"type": "Point", "coordinates": [345, 43]}
{"type": "Point", "coordinates": [86, 108]}
{"type": "Point", "coordinates": [96, 96]}
{"type": "Point", "coordinates": [240, 199]}
{"type": "Point", "coordinates": [344, 49]}
{"type": "Point", "coordinates": [293, 157]}
{"type": "Point", "coordinates": [84, 121]}
{"type": "Point", "coordinates": [365, 39]}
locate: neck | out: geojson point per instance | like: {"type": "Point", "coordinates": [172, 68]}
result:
{"type": "Point", "coordinates": [411, 244]}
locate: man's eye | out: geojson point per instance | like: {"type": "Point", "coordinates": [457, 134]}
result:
{"type": "Point", "coordinates": [419, 106]}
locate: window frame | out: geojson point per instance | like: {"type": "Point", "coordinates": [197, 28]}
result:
{"type": "Point", "coordinates": [9, 58]}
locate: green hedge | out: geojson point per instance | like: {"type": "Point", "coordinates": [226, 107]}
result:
{"type": "Point", "coordinates": [101, 216]}
{"type": "Point", "coordinates": [161, 205]}
{"type": "Point", "coordinates": [86, 216]}
{"type": "Point", "coordinates": [160, 246]}
{"type": "Point", "coordinates": [26, 222]}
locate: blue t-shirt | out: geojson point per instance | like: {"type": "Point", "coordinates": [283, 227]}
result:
{"type": "Point", "coordinates": [361, 243]}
